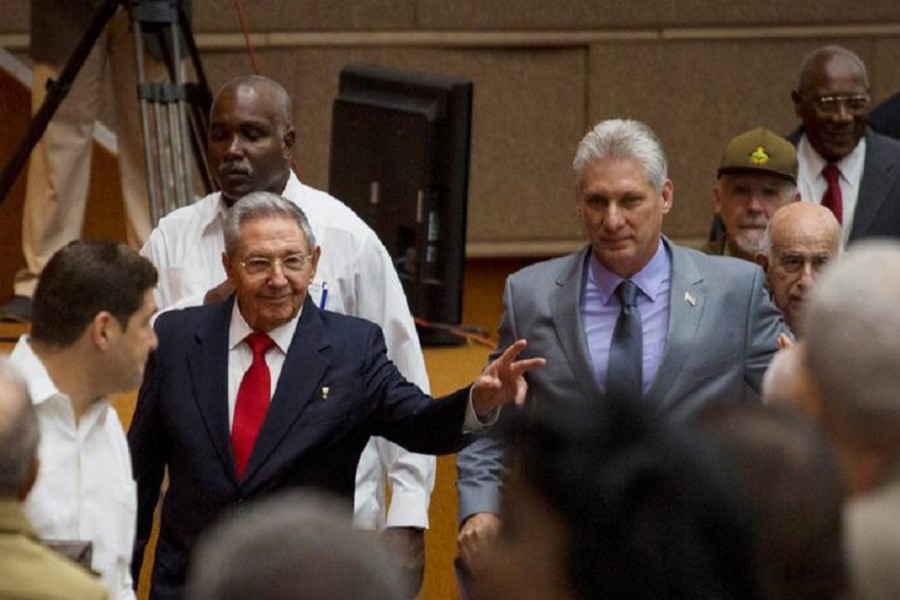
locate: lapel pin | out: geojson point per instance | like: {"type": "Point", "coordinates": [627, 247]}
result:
{"type": "Point", "coordinates": [689, 299]}
{"type": "Point", "coordinates": [325, 391]}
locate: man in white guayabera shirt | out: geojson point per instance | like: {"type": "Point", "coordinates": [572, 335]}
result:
{"type": "Point", "coordinates": [250, 142]}
{"type": "Point", "coordinates": [90, 337]}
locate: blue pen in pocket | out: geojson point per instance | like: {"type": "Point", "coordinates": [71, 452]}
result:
{"type": "Point", "coordinates": [324, 295]}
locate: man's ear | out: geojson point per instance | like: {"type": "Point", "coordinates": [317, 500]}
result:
{"type": "Point", "coordinates": [287, 141]}
{"type": "Point", "coordinates": [100, 329]}
{"type": "Point", "coordinates": [229, 266]}
{"type": "Point", "coordinates": [314, 261]}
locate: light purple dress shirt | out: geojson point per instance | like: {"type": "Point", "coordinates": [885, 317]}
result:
{"type": "Point", "coordinates": [600, 309]}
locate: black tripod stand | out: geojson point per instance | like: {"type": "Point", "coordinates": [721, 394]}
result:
{"type": "Point", "coordinates": [174, 114]}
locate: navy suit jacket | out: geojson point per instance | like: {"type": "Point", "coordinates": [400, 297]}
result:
{"type": "Point", "coordinates": [723, 332]}
{"type": "Point", "coordinates": [877, 211]}
{"type": "Point", "coordinates": [337, 389]}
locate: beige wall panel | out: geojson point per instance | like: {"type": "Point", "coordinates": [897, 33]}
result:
{"type": "Point", "coordinates": [587, 14]}
{"type": "Point", "coordinates": [528, 115]}
{"type": "Point", "coordinates": [306, 15]}
{"type": "Point", "coordinates": [884, 68]}
{"type": "Point", "coordinates": [696, 96]}
{"type": "Point", "coordinates": [15, 16]}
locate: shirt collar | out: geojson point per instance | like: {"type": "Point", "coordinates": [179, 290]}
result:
{"type": "Point", "coordinates": [41, 387]}
{"type": "Point", "coordinates": [649, 280]}
{"type": "Point", "coordinates": [850, 166]}
{"type": "Point", "coordinates": [217, 210]}
{"type": "Point", "coordinates": [281, 335]}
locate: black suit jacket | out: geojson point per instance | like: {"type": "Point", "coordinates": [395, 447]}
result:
{"type": "Point", "coordinates": [877, 211]}
{"type": "Point", "coordinates": [337, 389]}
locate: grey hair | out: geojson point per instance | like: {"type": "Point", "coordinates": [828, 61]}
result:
{"type": "Point", "coordinates": [19, 432]}
{"type": "Point", "coordinates": [623, 139]}
{"type": "Point", "coordinates": [293, 545]}
{"type": "Point", "coordinates": [810, 63]}
{"type": "Point", "coordinates": [258, 205]}
{"type": "Point", "coordinates": [853, 342]}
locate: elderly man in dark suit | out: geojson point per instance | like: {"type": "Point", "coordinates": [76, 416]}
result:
{"type": "Point", "coordinates": [204, 410]}
{"type": "Point", "coordinates": [631, 316]}
{"type": "Point", "coordinates": [844, 165]}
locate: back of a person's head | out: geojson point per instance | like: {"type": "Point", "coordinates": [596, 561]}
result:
{"type": "Point", "coordinates": [289, 546]}
{"type": "Point", "coordinates": [81, 280]}
{"type": "Point", "coordinates": [853, 345]}
{"type": "Point", "coordinates": [19, 434]}
{"type": "Point", "coordinates": [651, 509]}
{"type": "Point", "coordinates": [789, 472]}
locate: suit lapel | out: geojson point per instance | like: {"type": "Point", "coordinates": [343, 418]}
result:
{"type": "Point", "coordinates": [208, 366]}
{"type": "Point", "coordinates": [566, 312]}
{"type": "Point", "coordinates": [687, 299]}
{"type": "Point", "coordinates": [876, 181]}
{"type": "Point", "coordinates": [303, 370]}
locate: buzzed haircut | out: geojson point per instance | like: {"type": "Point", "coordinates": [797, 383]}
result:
{"type": "Point", "coordinates": [83, 279]}
{"type": "Point", "coordinates": [282, 98]}
{"type": "Point", "coordinates": [810, 63]}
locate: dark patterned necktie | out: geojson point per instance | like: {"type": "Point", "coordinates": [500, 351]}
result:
{"type": "Point", "coordinates": [624, 375]}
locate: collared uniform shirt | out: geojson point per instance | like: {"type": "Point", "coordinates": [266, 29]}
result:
{"type": "Point", "coordinates": [85, 489]}
{"type": "Point", "coordinates": [812, 185]}
{"type": "Point", "coordinates": [355, 276]}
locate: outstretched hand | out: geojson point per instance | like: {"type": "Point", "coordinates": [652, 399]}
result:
{"type": "Point", "coordinates": [502, 381]}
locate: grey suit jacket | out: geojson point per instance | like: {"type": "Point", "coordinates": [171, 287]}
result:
{"type": "Point", "coordinates": [722, 335]}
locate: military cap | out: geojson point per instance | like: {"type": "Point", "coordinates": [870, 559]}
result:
{"type": "Point", "coordinates": [760, 150]}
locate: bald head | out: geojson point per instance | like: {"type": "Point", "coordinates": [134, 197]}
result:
{"type": "Point", "coordinates": [18, 434]}
{"type": "Point", "coordinates": [251, 137]}
{"type": "Point", "coordinates": [801, 239]}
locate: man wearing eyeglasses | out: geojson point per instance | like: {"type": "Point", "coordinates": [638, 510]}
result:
{"type": "Point", "coordinates": [844, 165]}
{"type": "Point", "coordinates": [267, 392]}
{"type": "Point", "coordinates": [251, 141]}
{"type": "Point", "coordinates": [801, 240]}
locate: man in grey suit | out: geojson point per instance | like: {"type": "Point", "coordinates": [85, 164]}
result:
{"type": "Point", "coordinates": [706, 329]}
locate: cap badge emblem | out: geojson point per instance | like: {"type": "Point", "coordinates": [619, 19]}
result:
{"type": "Point", "coordinates": [759, 156]}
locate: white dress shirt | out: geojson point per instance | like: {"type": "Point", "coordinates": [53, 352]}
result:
{"type": "Point", "coordinates": [812, 184]}
{"type": "Point", "coordinates": [360, 280]}
{"type": "Point", "coordinates": [85, 490]}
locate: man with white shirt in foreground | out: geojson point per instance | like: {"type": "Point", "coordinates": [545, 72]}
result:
{"type": "Point", "coordinates": [90, 337]}
{"type": "Point", "coordinates": [251, 141]}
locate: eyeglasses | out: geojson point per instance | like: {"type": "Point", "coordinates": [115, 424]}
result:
{"type": "Point", "coordinates": [794, 262]}
{"type": "Point", "coordinates": [259, 265]}
{"type": "Point", "coordinates": [831, 103]}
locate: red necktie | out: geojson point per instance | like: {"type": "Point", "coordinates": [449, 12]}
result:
{"type": "Point", "coordinates": [832, 197]}
{"type": "Point", "coordinates": [252, 401]}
